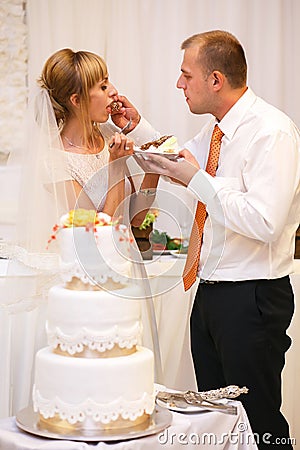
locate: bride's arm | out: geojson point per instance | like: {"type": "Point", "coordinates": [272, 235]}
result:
{"type": "Point", "coordinates": [120, 149]}
{"type": "Point", "coordinates": [76, 196]}
{"type": "Point", "coordinates": [116, 190]}
{"type": "Point", "coordinates": [143, 197]}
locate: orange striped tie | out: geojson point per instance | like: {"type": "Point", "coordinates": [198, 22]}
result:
{"type": "Point", "coordinates": [192, 261]}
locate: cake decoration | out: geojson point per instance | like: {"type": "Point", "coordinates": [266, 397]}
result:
{"type": "Point", "coordinates": [84, 217]}
{"type": "Point", "coordinates": [91, 256]}
{"type": "Point", "coordinates": [88, 218]}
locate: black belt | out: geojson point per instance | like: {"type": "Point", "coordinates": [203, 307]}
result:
{"type": "Point", "coordinates": [202, 281]}
{"type": "Point", "coordinates": [215, 281]}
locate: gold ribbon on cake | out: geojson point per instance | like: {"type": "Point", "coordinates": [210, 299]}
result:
{"type": "Point", "coordinates": [89, 353]}
{"type": "Point", "coordinates": [62, 426]}
{"type": "Point", "coordinates": [76, 284]}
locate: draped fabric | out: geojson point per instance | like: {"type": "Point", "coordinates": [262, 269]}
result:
{"type": "Point", "coordinates": [140, 39]}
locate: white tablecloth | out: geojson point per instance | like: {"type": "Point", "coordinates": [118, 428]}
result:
{"type": "Point", "coordinates": [209, 429]}
{"type": "Point", "coordinates": [172, 307]}
{"type": "Point", "coordinates": [22, 333]}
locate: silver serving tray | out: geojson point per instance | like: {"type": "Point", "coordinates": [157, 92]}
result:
{"type": "Point", "coordinates": [27, 420]}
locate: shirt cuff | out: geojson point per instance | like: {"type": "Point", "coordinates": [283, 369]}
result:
{"type": "Point", "coordinates": [205, 187]}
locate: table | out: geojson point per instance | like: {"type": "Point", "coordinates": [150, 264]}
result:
{"type": "Point", "coordinates": [22, 333]}
{"type": "Point", "coordinates": [209, 429]}
{"type": "Point", "coordinates": [172, 308]}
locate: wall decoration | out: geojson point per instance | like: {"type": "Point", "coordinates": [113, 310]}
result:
{"type": "Point", "coordinates": [13, 74]}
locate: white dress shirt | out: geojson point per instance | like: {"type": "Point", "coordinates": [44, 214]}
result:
{"type": "Point", "coordinates": [253, 203]}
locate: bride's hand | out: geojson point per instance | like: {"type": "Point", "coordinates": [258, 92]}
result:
{"type": "Point", "coordinates": [122, 146]}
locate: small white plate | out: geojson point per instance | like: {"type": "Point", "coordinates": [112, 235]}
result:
{"type": "Point", "coordinates": [178, 254]}
{"type": "Point", "coordinates": [159, 387]}
{"type": "Point", "coordinates": [161, 252]}
{"type": "Point", "coordinates": [144, 154]}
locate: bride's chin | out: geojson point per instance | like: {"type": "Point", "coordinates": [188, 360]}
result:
{"type": "Point", "coordinates": [102, 119]}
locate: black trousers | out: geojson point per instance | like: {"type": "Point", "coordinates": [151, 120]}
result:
{"type": "Point", "coordinates": [238, 336]}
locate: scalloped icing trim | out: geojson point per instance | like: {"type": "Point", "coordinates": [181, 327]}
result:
{"type": "Point", "coordinates": [124, 337]}
{"type": "Point", "coordinates": [99, 412]}
{"type": "Point", "coordinates": [75, 270]}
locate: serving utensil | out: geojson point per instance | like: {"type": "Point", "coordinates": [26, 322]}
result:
{"type": "Point", "coordinates": [185, 399]}
{"type": "Point", "coordinates": [128, 124]}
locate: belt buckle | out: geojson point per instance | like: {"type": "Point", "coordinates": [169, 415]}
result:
{"type": "Point", "coordinates": [208, 281]}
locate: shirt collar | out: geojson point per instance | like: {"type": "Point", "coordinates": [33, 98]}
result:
{"type": "Point", "coordinates": [234, 116]}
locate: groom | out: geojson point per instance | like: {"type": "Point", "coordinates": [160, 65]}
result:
{"type": "Point", "coordinates": [250, 205]}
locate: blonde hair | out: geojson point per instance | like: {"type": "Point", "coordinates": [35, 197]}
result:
{"type": "Point", "coordinates": [220, 50]}
{"type": "Point", "coordinates": [67, 72]}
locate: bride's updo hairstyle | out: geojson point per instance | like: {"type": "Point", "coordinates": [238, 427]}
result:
{"type": "Point", "coordinates": [66, 73]}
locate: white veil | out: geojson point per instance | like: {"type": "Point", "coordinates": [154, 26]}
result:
{"type": "Point", "coordinates": [28, 268]}
{"type": "Point", "coordinates": [42, 196]}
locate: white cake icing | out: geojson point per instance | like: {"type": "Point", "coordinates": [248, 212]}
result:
{"type": "Point", "coordinates": [104, 389]}
{"type": "Point", "coordinates": [94, 374]}
{"type": "Point", "coordinates": [95, 255]}
{"type": "Point", "coordinates": [97, 319]}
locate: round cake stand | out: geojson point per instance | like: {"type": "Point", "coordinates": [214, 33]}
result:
{"type": "Point", "coordinates": [27, 420]}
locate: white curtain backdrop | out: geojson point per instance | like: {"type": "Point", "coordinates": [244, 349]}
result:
{"type": "Point", "coordinates": [140, 40]}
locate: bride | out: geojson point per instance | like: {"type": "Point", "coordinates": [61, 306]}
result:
{"type": "Point", "coordinates": [83, 98]}
{"type": "Point", "coordinates": [73, 156]}
{"type": "Point", "coordinates": [76, 156]}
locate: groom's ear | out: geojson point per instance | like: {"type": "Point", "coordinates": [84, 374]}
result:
{"type": "Point", "coordinates": [217, 79]}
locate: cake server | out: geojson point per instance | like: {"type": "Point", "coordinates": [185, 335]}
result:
{"type": "Point", "coordinates": [181, 400]}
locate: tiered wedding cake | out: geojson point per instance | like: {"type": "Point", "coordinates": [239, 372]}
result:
{"type": "Point", "coordinates": [94, 374]}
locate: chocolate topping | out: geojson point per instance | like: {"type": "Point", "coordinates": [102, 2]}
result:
{"type": "Point", "coordinates": [156, 143]}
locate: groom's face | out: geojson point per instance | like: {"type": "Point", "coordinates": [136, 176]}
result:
{"type": "Point", "coordinates": [194, 82]}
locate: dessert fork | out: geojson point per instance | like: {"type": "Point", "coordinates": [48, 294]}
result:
{"type": "Point", "coordinates": [128, 124]}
